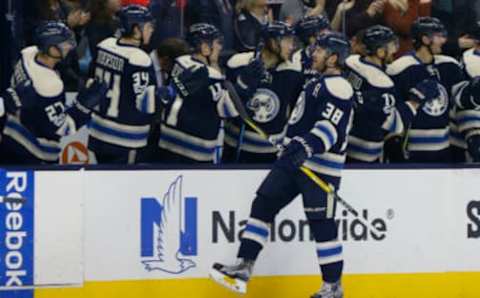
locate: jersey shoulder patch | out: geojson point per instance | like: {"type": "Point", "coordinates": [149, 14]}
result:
{"type": "Point", "coordinates": [339, 87]}
{"type": "Point", "coordinates": [293, 65]}
{"type": "Point", "coordinates": [401, 64]}
{"type": "Point", "coordinates": [239, 60]}
{"type": "Point", "coordinates": [373, 75]}
{"type": "Point", "coordinates": [187, 61]}
{"type": "Point", "coordinates": [46, 81]}
{"type": "Point", "coordinates": [471, 62]}
{"type": "Point", "coordinates": [140, 58]}
{"type": "Point", "coordinates": [441, 59]}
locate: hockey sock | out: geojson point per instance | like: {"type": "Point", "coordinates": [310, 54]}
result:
{"type": "Point", "coordinates": [329, 249]}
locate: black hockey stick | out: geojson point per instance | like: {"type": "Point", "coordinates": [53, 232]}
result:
{"type": "Point", "coordinates": [309, 173]}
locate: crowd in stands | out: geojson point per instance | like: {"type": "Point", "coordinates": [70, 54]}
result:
{"type": "Point", "coordinates": [240, 22]}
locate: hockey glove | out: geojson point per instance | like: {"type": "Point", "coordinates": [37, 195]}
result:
{"type": "Point", "coordinates": [190, 80]}
{"type": "Point", "coordinates": [21, 96]}
{"type": "Point", "coordinates": [425, 91]}
{"type": "Point", "coordinates": [295, 154]}
{"type": "Point", "coordinates": [472, 100]}
{"type": "Point", "coordinates": [473, 144]}
{"type": "Point", "coordinates": [251, 76]}
{"type": "Point", "coordinates": [91, 95]}
{"type": "Point", "coordinates": [166, 94]}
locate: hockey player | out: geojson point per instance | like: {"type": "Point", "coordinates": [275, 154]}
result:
{"type": "Point", "coordinates": [269, 96]}
{"type": "Point", "coordinates": [191, 124]}
{"type": "Point", "coordinates": [307, 30]}
{"type": "Point", "coordinates": [318, 141]}
{"type": "Point", "coordinates": [120, 125]}
{"type": "Point", "coordinates": [428, 138]}
{"type": "Point", "coordinates": [36, 112]}
{"type": "Point", "coordinates": [378, 112]}
{"type": "Point", "coordinates": [467, 112]}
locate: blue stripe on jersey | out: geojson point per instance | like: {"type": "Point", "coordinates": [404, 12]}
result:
{"type": "Point", "coordinates": [327, 163]}
{"type": "Point", "coordinates": [183, 143]}
{"type": "Point", "coordinates": [28, 135]}
{"type": "Point", "coordinates": [256, 230]}
{"type": "Point", "coordinates": [369, 151]}
{"type": "Point", "coordinates": [323, 128]}
{"type": "Point", "coordinates": [429, 140]}
{"type": "Point", "coordinates": [118, 133]}
{"type": "Point", "coordinates": [323, 253]}
{"type": "Point", "coordinates": [145, 102]}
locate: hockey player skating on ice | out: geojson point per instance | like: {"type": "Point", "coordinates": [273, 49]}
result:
{"type": "Point", "coordinates": [121, 124]}
{"type": "Point", "coordinates": [318, 141]}
{"type": "Point", "coordinates": [190, 129]}
{"type": "Point", "coordinates": [269, 96]}
{"type": "Point", "coordinates": [36, 112]}
{"type": "Point", "coordinates": [428, 138]}
{"type": "Point", "coordinates": [378, 111]}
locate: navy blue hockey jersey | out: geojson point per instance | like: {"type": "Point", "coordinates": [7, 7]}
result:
{"type": "Point", "coordinates": [325, 110]}
{"type": "Point", "coordinates": [467, 120]}
{"type": "Point", "coordinates": [123, 118]}
{"type": "Point", "coordinates": [378, 112]}
{"type": "Point", "coordinates": [269, 107]}
{"type": "Point", "coordinates": [428, 140]}
{"type": "Point", "coordinates": [191, 125]}
{"type": "Point", "coordinates": [39, 127]}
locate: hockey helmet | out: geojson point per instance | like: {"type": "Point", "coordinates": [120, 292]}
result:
{"type": "Point", "coordinates": [54, 34]}
{"type": "Point", "coordinates": [309, 26]}
{"type": "Point", "coordinates": [474, 31]}
{"type": "Point", "coordinates": [202, 32]}
{"type": "Point", "coordinates": [376, 37]}
{"type": "Point", "coordinates": [133, 15]}
{"type": "Point", "coordinates": [335, 44]}
{"type": "Point", "coordinates": [277, 29]}
{"type": "Point", "coordinates": [426, 26]}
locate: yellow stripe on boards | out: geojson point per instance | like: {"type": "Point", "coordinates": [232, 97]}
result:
{"type": "Point", "coordinates": [428, 285]}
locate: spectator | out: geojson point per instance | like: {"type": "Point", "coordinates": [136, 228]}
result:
{"type": "Point", "coordinates": [252, 15]}
{"type": "Point", "coordinates": [168, 18]}
{"type": "Point", "coordinates": [293, 11]}
{"type": "Point", "coordinates": [219, 13]}
{"type": "Point", "coordinates": [76, 15]}
{"type": "Point", "coordinates": [351, 16]}
{"type": "Point", "coordinates": [104, 23]}
{"type": "Point", "coordinates": [399, 15]}
{"type": "Point", "coordinates": [458, 16]}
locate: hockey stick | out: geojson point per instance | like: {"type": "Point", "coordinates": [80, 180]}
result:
{"type": "Point", "coordinates": [309, 173]}
{"type": "Point", "coordinates": [256, 55]}
{"type": "Point", "coordinates": [12, 200]}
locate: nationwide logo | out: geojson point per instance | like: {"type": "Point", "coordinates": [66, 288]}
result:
{"type": "Point", "coordinates": [169, 231]}
{"type": "Point", "coordinates": [227, 227]}
{"type": "Point", "coordinates": [473, 214]}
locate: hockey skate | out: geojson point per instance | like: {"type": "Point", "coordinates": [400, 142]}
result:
{"type": "Point", "coordinates": [329, 290]}
{"type": "Point", "coordinates": [234, 277]}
